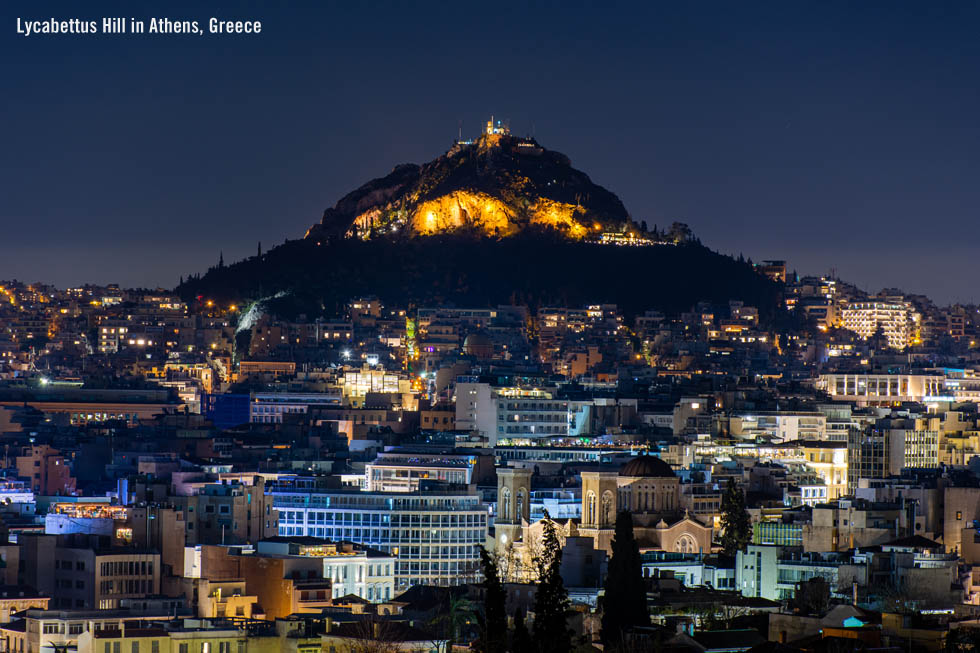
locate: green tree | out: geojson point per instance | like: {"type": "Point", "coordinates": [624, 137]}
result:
{"type": "Point", "coordinates": [520, 641]}
{"type": "Point", "coordinates": [551, 605]}
{"type": "Point", "coordinates": [735, 521]}
{"type": "Point", "coordinates": [624, 602]}
{"type": "Point", "coordinates": [493, 621]}
{"type": "Point", "coordinates": [812, 596]}
{"type": "Point", "coordinates": [454, 623]}
{"type": "Point", "coordinates": [963, 640]}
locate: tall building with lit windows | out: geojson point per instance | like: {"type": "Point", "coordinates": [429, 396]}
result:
{"type": "Point", "coordinates": [435, 535]}
{"type": "Point", "coordinates": [518, 413]}
{"type": "Point", "coordinates": [891, 445]}
{"type": "Point", "coordinates": [898, 320]}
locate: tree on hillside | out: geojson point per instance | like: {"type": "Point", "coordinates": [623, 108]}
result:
{"type": "Point", "coordinates": [735, 521]}
{"type": "Point", "coordinates": [624, 603]}
{"type": "Point", "coordinates": [493, 620]}
{"type": "Point", "coordinates": [551, 605]}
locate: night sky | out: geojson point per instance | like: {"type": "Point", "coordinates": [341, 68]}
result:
{"type": "Point", "coordinates": [832, 135]}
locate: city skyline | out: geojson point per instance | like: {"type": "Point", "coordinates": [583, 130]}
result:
{"type": "Point", "coordinates": [505, 328]}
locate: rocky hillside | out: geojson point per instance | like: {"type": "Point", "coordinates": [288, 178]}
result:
{"type": "Point", "coordinates": [496, 185]}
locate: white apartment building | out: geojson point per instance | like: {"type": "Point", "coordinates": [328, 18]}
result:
{"type": "Point", "coordinates": [898, 319]}
{"type": "Point", "coordinates": [782, 426]}
{"type": "Point", "coordinates": [514, 413]}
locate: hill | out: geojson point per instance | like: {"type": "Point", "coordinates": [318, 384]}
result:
{"type": "Point", "coordinates": [534, 267]}
{"type": "Point", "coordinates": [497, 220]}
{"type": "Point", "coordinates": [497, 185]}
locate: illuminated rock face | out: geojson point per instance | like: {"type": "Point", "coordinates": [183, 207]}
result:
{"type": "Point", "coordinates": [462, 208]}
{"type": "Point", "coordinates": [492, 216]}
{"type": "Point", "coordinates": [494, 186]}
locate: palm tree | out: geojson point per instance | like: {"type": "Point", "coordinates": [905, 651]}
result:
{"type": "Point", "coordinates": [456, 621]}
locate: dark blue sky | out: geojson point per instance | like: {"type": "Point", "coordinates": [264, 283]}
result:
{"type": "Point", "coordinates": [834, 135]}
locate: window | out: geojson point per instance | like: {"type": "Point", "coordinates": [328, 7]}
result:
{"type": "Point", "coordinates": [155, 646]}
{"type": "Point", "coordinates": [959, 514]}
{"type": "Point", "coordinates": [183, 648]}
{"type": "Point", "coordinates": [135, 647]}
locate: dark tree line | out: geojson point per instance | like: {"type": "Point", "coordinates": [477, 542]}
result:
{"type": "Point", "coordinates": [550, 632]}
{"type": "Point", "coordinates": [624, 605]}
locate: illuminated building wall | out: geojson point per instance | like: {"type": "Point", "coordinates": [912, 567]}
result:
{"type": "Point", "coordinates": [898, 320]}
{"type": "Point", "coordinates": [434, 536]}
{"type": "Point", "coordinates": [883, 389]}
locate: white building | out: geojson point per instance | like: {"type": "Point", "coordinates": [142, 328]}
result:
{"type": "Point", "coordinates": [351, 568]}
{"type": "Point", "coordinates": [884, 389]}
{"type": "Point", "coordinates": [394, 475]}
{"type": "Point", "coordinates": [897, 319]}
{"type": "Point", "coordinates": [514, 413]}
{"type": "Point", "coordinates": [692, 569]}
{"type": "Point", "coordinates": [782, 426]}
{"type": "Point", "coordinates": [435, 535]}
{"type": "Point", "coordinates": [269, 407]}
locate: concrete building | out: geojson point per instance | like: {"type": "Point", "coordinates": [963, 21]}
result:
{"type": "Point", "coordinates": [435, 533]}
{"type": "Point", "coordinates": [232, 513]}
{"type": "Point", "coordinates": [47, 470]}
{"type": "Point", "coordinates": [778, 426]}
{"type": "Point", "coordinates": [890, 446]}
{"type": "Point", "coordinates": [82, 573]}
{"type": "Point", "coordinates": [515, 413]}
{"type": "Point", "coordinates": [269, 407]}
{"type": "Point", "coordinates": [848, 523]}
{"type": "Point", "coordinates": [883, 389]}
{"type": "Point", "coordinates": [350, 568]}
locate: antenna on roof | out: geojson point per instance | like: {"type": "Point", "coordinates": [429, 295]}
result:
{"type": "Point", "coordinates": [460, 130]}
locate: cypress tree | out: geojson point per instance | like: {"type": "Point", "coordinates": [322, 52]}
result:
{"type": "Point", "coordinates": [624, 603]}
{"type": "Point", "coordinates": [521, 639]}
{"type": "Point", "coordinates": [735, 521]}
{"type": "Point", "coordinates": [551, 606]}
{"type": "Point", "coordinates": [493, 626]}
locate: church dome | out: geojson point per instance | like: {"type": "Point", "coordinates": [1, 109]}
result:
{"type": "Point", "coordinates": [479, 345]}
{"type": "Point", "coordinates": [647, 467]}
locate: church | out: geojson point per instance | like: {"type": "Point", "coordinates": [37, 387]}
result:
{"type": "Point", "coordinates": [646, 486]}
